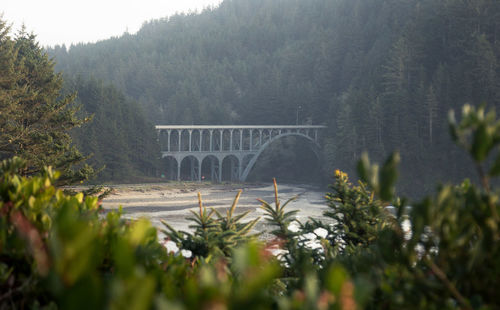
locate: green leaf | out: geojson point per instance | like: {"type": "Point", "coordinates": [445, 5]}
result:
{"type": "Point", "coordinates": [337, 276]}
{"type": "Point", "coordinates": [388, 177]}
{"type": "Point", "coordinates": [481, 143]}
{"type": "Point", "coordinates": [495, 168]}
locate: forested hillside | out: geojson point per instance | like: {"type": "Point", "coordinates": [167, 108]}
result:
{"type": "Point", "coordinates": [123, 144]}
{"type": "Point", "coordinates": [382, 74]}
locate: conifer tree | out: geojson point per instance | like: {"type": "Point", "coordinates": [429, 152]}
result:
{"type": "Point", "coordinates": [35, 118]}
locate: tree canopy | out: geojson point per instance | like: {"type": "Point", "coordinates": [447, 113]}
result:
{"type": "Point", "coordinates": [35, 119]}
{"type": "Point", "coordinates": [119, 138]}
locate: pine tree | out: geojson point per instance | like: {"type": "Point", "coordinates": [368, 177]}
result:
{"type": "Point", "coordinates": [10, 93]}
{"type": "Point", "coordinates": [34, 117]}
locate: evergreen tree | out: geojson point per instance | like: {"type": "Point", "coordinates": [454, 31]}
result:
{"type": "Point", "coordinates": [35, 119]}
{"type": "Point", "coordinates": [119, 137]}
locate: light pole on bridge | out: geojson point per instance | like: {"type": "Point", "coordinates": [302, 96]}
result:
{"type": "Point", "coordinates": [297, 119]}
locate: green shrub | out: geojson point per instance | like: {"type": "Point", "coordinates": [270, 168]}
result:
{"type": "Point", "coordinates": [60, 251]}
{"type": "Point", "coordinates": [213, 236]}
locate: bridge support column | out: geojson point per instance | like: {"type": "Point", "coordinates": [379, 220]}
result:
{"type": "Point", "coordinates": [211, 140]}
{"type": "Point", "coordinates": [201, 139]}
{"type": "Point", "coordinates": [240, 167]}
{"type": "Point", "coordinates": [230, 140]}
{"type": "Point", "coordinates": [180, 141]}
{"type": "Point", "coordinates": [221, 141]}
{"type": "Point", "coordinates": [190, 135]}
{"type": "Point", "coordinates": [241, 139]}
{"type": "Point", "coordinates": [168, 140]}
{"type": "Point", "coordinates": [251, 139]}
{"type": "Point", "coordinates": [199, 170]}
{"type": "Point", "coordinates": [179, 170]}
{"type": "Point", "coordinates": [195, 173]}
{"type": "Point", "coordinates": [220, 170]}
{"type": "Point", "coordinates": [213, 173]}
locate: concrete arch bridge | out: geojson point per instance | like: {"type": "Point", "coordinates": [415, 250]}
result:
{"type": "Point", "coordinates": [217, 153]}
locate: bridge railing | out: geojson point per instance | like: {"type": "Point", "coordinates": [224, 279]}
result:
{"type": "Point", "coordinates": [203, 138]}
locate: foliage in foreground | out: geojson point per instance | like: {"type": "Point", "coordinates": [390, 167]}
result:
{"type": "Point", "coordinates": [214, 234]}
{"type": "Point", "coordinates": [58, 250]}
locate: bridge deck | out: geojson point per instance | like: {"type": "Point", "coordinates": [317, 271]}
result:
{"type": "Point", "coordinates": [218, 153]}
{"type": "Point", "coordinates": [176, 127]}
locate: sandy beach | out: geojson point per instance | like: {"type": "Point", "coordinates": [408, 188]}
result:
{"type": "Point", "coordinates": [172, 202]}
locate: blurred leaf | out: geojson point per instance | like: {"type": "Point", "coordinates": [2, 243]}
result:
{"type": "Point", "coordinates": [388, 177]}
{"type": "Point", "coordinates": [337, 276]}
{"type": "Point", "coordinates": [481, 143]}
{"type": "Point", "coordinates": [495, 168]}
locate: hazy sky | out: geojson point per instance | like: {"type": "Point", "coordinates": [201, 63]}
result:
{"type": "Point", "coordinates": [73, 21]}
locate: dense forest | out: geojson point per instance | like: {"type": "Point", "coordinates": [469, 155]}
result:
{"type": "Point", "coordinates": [381, 74]}
{"type": "Point", "coordinates": [120, 140]}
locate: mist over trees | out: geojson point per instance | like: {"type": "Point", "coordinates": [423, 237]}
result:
{"type": "Point", "coordinates": [381, 74]}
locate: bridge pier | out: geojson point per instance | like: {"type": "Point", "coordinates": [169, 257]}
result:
{"type": "Point", "coordinates": [180, 139]}
{"type": "Point", "coordinates": [168, 139]}
{"type": "Point", "coordinates": [251, 140]}
{"type": "Point", "coordinates": [221, 141]}
{"type": "Point", "coordinates": [230, 140]}
{"type": "Point", "coordinates": [220, 171]}
{"type": "Point", "coordinates": [241, 139]}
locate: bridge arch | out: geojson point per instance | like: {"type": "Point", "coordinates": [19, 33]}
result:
{"type": "Point", "coordinates": [231, 168]}
{"type": "Point", "coordinates": [254, 159]}
{"type": "Point", "coordinates": [210, 169]}
{"type": "Point", "coordinates": [169, 167]}
{"type": "Point", "coordinates": [189, 168]}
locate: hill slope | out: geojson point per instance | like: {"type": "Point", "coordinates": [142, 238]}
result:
{"type": "Point", "coordinates": [382, 74]}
